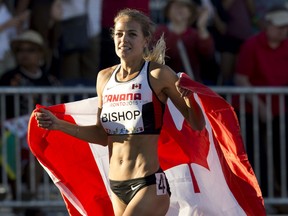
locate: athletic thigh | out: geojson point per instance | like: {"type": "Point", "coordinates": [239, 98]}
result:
{"type": "Point", "coordinates": [118, 205]}
{"type": "Point", "coordinates": [147, 202]}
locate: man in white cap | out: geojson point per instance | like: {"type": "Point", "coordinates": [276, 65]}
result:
{"type": "Point", "coordinates": [263, 61]}
{"type": "Point", "coordinates": [29, 53]}
{"type": "Point", "coordinates": [28, 49]}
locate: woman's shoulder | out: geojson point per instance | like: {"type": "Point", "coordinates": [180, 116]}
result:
{"type": "Point", "coordinates": [161, 71]}
{"type": "Point", "coordinates": [103, 77]}
{"type": "Point", "coordinates": [159, 67]}
{"type": "Point", "coordinates": [107, 72]}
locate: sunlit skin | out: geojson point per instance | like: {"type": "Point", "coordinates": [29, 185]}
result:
{"type": "Point", "coordinates": [129, 40]}
{"type": "Point", "coordinates": [132, 156]}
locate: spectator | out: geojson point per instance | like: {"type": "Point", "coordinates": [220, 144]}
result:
{"type": "Point", "coordinates": [9, 25]}
{"type": "Point", "coordinates": [232, 25]}
{"type": "Point", "coordinates": [71, 67]}
{"type": "Point", "coordinates": [197, 43]}
{"type": "Point", "coordinates": [263, 62]}
{"type": "Point", "coordinates": [261, 7]}
{"type": "Point", "coordinates": [82, 65]}
{"type": "Point", "coordinates": [29, 51]}
{"type": "Point", "coordinates": [44, 18]}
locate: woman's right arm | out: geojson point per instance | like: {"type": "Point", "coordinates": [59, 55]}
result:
{"type": "Point", "coordinates": [92, 133]}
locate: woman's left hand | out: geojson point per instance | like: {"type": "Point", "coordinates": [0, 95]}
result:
{"type": "Point", "coordinates": [184, 92]}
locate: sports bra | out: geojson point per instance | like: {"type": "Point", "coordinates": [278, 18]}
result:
{"type": "Point", "coordinates": [131, 107]}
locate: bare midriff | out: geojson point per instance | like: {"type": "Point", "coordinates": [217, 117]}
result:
{"type": "Point", "coordinates": [133, 156]}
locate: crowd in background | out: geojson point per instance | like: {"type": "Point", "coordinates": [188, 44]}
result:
{"type": "Point", "coordinates": [203, 36]}
{"type": "Point", "coordinates": [216, 42]}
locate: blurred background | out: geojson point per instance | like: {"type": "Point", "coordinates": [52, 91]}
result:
{"type": "Point", "coordinates": [52, 50]}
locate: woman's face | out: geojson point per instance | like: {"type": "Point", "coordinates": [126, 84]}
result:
{"type": "Point", "coordinates": [128, 39]}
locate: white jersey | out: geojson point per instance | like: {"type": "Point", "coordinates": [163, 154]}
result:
{"type": "Point", "coordinates": [131, 107]}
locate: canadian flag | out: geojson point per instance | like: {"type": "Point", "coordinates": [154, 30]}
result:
{"type": "Point", "coordinates": [136, 86]}
{"type": "Point", "coordinates": [208, 171]}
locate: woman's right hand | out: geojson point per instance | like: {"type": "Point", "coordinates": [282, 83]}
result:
{"type": "Point", "coordinates": [46, 119]}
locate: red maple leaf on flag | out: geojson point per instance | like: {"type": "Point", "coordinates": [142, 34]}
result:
{"type": "Point", "coordinates": [70, 161]}
{"type": "Point", "coordinates": [193, 149]}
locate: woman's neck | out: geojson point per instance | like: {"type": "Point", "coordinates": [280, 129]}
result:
{"type": "Point", "coordinates": [129, 69]}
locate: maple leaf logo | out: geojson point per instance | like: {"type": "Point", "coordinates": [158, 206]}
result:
{"type": "Point", "coordinates": [180, 144]}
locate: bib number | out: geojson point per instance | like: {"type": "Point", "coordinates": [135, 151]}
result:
{"type": "Point", "coordinates": [161, 186]}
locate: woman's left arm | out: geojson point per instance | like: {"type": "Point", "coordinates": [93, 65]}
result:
{"type": "Point", "coordinates": [168, 86]}
{"type": "Point", "coordinates": [194, 114]}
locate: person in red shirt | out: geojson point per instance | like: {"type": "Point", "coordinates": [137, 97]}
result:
{"type": "Point", "coordinates": [263, 58]}
{"type": "Point", "coordinates": [231, 25]}
{"type": "Point", "coordinates": [197, 42]}
{"type": "Point", "coordinates": [263, 61]}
